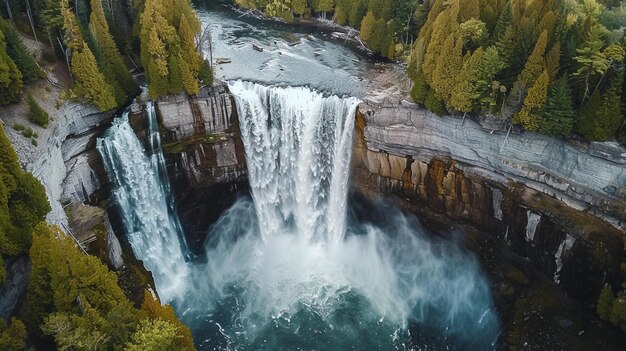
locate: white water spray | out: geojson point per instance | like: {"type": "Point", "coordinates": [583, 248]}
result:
{"type": "Point", "coordinates": [291, 269]}
{"type": "Point", "coordinates": [142, 193]}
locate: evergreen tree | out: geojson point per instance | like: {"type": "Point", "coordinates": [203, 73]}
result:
{"type": "Point", "coordinates": [163, 39]}
{"type": "Point", "coordinates": [367, 27]}
{"type": "Point", "coordinates": [10, 76]}
{"type": "Point", "coordinates": [206, 73]}
{"type": "Point", "coordinates": [13, 336]}
{"type": "Point", "coordinates": [601, 116]}
{"type": "Point", "coordinates": [100, 29]}
{"type": "Point", "coordinates": [90, 84]}
{"type": "Point", "coordinates": [464, 94]}
{"type": "Point", "coordinates": [18, 52]}
{"type": "Point", "coordinates": [536, 97]}
{"type": "Point", "coordinates": [557, 115]}
{"type": "Point", "coordinates": [535, 64]}
{"type": "Point", "coordinates": [605, 303]}
{"type": "Point", "coordinates": [448, 68]}
{"type": "Point", "coordinates": [36, 114]}
{"type": "Point", "coordinates": [420, 88]}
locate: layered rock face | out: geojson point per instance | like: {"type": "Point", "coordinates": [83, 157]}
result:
{"type": "Point", "coordinates": [204, 153]}
{"type": "Point", "coordinates": [563, 207]}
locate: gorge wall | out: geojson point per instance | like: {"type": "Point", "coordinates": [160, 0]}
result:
{"type": "Point", "coordinates": [561, 206]}
{"type": "Point", "coordinates": [204, 153]}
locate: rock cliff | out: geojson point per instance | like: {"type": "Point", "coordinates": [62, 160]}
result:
{"type": "Point", "coordinates": [204, 153]}
{"type": "Point", "coordinates": [562, 206]}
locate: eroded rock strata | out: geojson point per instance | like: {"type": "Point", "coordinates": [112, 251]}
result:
{"type": "Point", "coordinates": [561, 206]}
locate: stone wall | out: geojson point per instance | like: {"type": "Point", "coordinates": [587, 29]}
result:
{"type": "Point", "coordinates": [561, 206]}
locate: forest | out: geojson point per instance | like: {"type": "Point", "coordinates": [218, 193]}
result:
{"type": "Point", "coordinates": [555, 67]}
{"type": "Point", "coordinates": [101, 41]}
{"type": "Point", "coordinates": [73, 301]}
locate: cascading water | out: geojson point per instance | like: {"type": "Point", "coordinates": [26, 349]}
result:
{"type": "Point", "coordinates": [298, 266]}
{"type": "Point", "coordinates": [142, 194]}
{"type": "Point", "coordinates": [298, 145]}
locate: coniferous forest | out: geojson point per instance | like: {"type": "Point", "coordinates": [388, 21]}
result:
{"type": "Point", "coordinates": [73, 301]}
{"type": "Point", "coordinates": [554, 67]}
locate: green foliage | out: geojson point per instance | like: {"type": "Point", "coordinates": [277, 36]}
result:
{"type": "Point", "coordinates": [10, 76]}
{"type": "Point", "coordinates": [605, 303]}
{"type": "Point", "coordinates": [153, 335]}
{"type": "Point", "coordinates": [557, 115]}
{"type": "Point", "coordinates": [73, 298]}
{"type": "Point", "coordinates": [23, 202]}
{"type": "Point", "coordinates": [90, 85]}
{"type": "Point", "coordinates": [519, 41]}
{"type": "Point", "coordinates": [206, 73]}
{"type": "Point", "coordinates": [164, 42]}
{"type": "Point", "coordinates": [22, 57]}
{"type": "Point", "coordinates": [601, 116]}
{"type": "Point", "coordinates": [100, 29]}
{"type": "Point", "coordinates": [13, 336]}
{"type": "Point", "coordinates": [36, 114]}
{"type": "Point", "coordinates": [536, 97]}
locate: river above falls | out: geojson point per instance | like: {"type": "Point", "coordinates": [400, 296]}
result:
{"type": "Point", "coordinates": [275, 53]}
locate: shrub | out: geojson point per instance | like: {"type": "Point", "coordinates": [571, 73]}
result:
{"type": "Point", "coordinates": [36, 114]}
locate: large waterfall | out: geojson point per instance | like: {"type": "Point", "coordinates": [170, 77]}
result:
{"type": "Point", "coordinates": [142, 193]}
{"type": "Point", "coordinates": [298, 146]}
{"type": "Point", "coordinates": [299, 265]}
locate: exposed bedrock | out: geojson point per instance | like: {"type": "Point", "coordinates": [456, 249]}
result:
{"type": "Point", "coordinates": [561, 206]}
{"type": "Point", "coordinates": [204, 153]}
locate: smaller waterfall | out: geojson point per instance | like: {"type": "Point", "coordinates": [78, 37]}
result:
{"type": "Point", "coordinates": [141, 191]}
{"type": "Point", "coordinates": [496, 198]}
{"type": "Point", "coordinates": [531, 225]}
{"type": "Point", "coordinates": [563, 249]}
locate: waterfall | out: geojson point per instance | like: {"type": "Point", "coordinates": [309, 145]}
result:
{"type": "Point", "coordinates": [298, 147]}
{"type": "Point", "coordinates": [531, 225]}
{"type": "Point", "coordinates": [142, 193]}
{"type": "Point", "coordinates": [292, 268]}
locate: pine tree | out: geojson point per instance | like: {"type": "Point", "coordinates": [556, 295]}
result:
{"type": "Point", "coordinates": [557, 115]}
{"type": "Point", "coordinates": [553, 59]}
{"type": "Point", "coordinates": [36, 114]}
{"type": "Point", "coordinates": [536, 97]}
{"type": "Point", "coordinates": [206, 73]}
{"type": "Point", "coordinates": [420, 88]}
{"type": "Point", "coordinates": [10, 76]}
{"type": "Point", "coordinates": [90, 84]}
{"type": "Point", "coordinates": [18, 52]}
{"type": "Point", "coordinates": [464, 94]}
{"type": "Point", "coordinates": [448, 69]}
{"type": "Point", "coordinates": [535, 63]}
{"type": "Point", "coordinates": [605, 303]}
{"type": "Point", "coordinates": [601, 116]}
{"type": "Point", "coordinates": [100, 29]}
{"type": "Point", "coordinates": [490, 65]}
{"type": "Point", "coordinates": [367, 27]}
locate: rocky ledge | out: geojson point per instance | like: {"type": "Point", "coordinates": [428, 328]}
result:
{"type": "Point", "coordinates": [561, 206]}
{"type": "Point", "coordinates": [204, 153]}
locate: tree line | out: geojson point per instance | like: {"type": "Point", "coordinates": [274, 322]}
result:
{"type": "Point", "coordinates": [101, 41]}
{"type": "Point", "coordinates": [550, 66]}
{"type": "Point", "coordinates": [554, 66]}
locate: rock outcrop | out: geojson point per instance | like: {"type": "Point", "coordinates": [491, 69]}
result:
{"type": "Point", "coordinates": [562, 206]}
{"type": "Point", "coordinates": [204, 154]}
